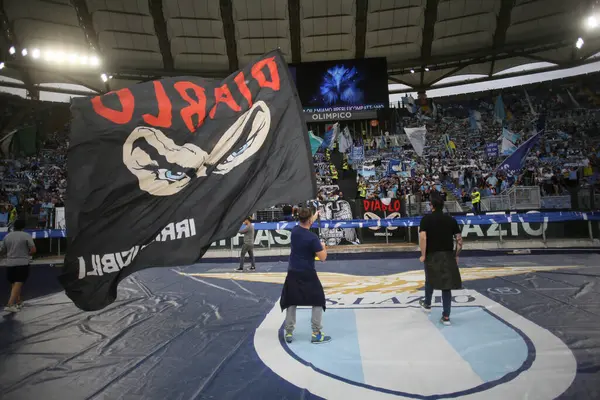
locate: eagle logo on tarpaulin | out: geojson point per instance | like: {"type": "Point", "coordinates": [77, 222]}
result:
{"type": "Point", "coordinates": [385, 347]}
{"type": "Point", "coordinates": [164, 168]}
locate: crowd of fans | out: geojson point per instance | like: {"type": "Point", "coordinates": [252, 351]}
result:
{"type": "Point", "coordinates": [32, 185]}
{"type": "Point", "coordinates": [454, 161]}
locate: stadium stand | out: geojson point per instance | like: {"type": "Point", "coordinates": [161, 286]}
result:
{"type": "Point", "coordinates": [566, 161]}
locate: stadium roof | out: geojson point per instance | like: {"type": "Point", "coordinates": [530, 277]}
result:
{"type": "Point", "coordinates": [138, 40]}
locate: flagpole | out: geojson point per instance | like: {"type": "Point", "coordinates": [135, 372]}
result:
{"type": "Point", "coordinates": [316, 205]}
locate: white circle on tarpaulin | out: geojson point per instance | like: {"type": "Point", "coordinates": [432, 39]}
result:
{"type": "Point", "coordinates": [545, 375]}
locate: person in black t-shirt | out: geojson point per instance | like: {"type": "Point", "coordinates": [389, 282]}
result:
{"type": "Point", "coordinates": [436, 240]}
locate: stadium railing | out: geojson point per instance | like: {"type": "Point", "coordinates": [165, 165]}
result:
{"type": "Point", "coordinates": [496, 203]}
{"type": "Point", "coordinates": [524, 197]}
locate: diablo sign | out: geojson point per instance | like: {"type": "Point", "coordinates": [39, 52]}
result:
{"type": "Point", "coordinates": [384, 205]}
{"type": "Point", "coordinates": [377, 209]}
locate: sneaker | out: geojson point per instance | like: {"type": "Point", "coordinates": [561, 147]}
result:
{"type": "Point", "coordinates": [289, 337]}
{"type": "Point", "coordinates": [20, 305]}
{"type": "Point", "coordinates": [240, 269]}
{"type": "Point", "coordinates": [319, 337]}
{"type": "Point", "coordinates": [11, 309]}
{"type": "Point", "coordinates": [424, 306]}
{"type": "Point", "coordinates": [252, 268]}
{"type": "Point", "coordinates": [445, 320]}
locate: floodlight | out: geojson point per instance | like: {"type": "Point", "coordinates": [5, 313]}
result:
{"type": "Point", "coordinates": [83, 60]}
{"type": "Point", "coordinates": [592, 22]}
{"type": "Point", "coordinates": [12, 50]}
{"type": "Point", "coordinates": [104, 77]}
{"type": "Point", "coordinates": [60, 57]}
{"type": "Point", "coordinates": [1, 65]}
{"type": "Point", "coordinates": [35, 53]}
{"type": "Point", "coordinates": [94, 61]}
{"type": "Point", "coordinates": [412, 71]}
{"type": "Point", "coordinates": [24, 52]}
{"type": "Point", "coordinates": [426, 69]}
{"type": "Point", "coordinates": [49, 55]}
{"type": "Point", "coordinates": [579, 43]}
{"type": "Point", "coordinates": [73, 58]}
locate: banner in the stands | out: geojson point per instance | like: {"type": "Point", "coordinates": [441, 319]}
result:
{"type": "Point", "coordinates": [491, 150]}
{"type": "Point", "coordinates": [468, 220]}
{"type": "Point", "coordinates": [59, 218]}
{"type": "Point", "coordinates": [339, 210]}
{"type": "Point", "coordinates": [381, 209]}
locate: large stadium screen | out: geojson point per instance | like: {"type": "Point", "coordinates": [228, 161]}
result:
{"type": "Point", "coordinates": [344, 89]}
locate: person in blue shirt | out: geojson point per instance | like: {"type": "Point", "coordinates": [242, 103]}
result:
{"type": "Point", "coordinates": [302, 286]}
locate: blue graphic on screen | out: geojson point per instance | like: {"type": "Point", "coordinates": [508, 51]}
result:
{"type": "Point", "coordinates": [340, 84]}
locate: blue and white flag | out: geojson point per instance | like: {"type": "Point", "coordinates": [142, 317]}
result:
{"type": "Point", "coordinates": [344, 140]}
{"type": "Point", "coordinates": [315, 142]}
{"type": "Point", "coordinates": [513, 137]}
{"type": "Point", "coordinates": [475, 120]}
{"type": "Point", "coordinates": [394, 167]}
{"type": "Point", "coordinates": [516, 161]}
{"type": "Point", "coordinates": [410, 104]}
{"type": "Point", "coordinates": [499, 114]}
{"type": "Point", "coordinates": [329, 139]}
{"type": "Point", "coordinates": [508, 147]}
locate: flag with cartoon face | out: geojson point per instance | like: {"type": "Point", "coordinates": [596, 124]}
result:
{"type": "Point", "coordinates": [159, 171]}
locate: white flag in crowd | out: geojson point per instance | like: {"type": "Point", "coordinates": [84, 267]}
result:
{"type": "Point", "coordinates": [336, 135]}
{"type": "Point", "coordinates": [508, 147]}
{"type": "Point", "coordinates": [417, 138]}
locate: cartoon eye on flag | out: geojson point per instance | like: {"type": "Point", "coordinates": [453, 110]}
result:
{"type": "Point", "coordinates": [160, 170]}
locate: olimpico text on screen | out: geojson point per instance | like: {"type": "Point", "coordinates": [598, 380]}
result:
{"type": "Point", "coordinates": [363, 107]}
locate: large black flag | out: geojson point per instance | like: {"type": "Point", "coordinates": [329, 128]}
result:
{"type": "Point", "coordinates": [159, 171]}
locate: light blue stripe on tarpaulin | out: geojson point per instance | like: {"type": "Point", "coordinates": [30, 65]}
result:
{"type": "Point", "coordinates": [492, 348]}
{"type": "Point", "coordinates": [340, 357]}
